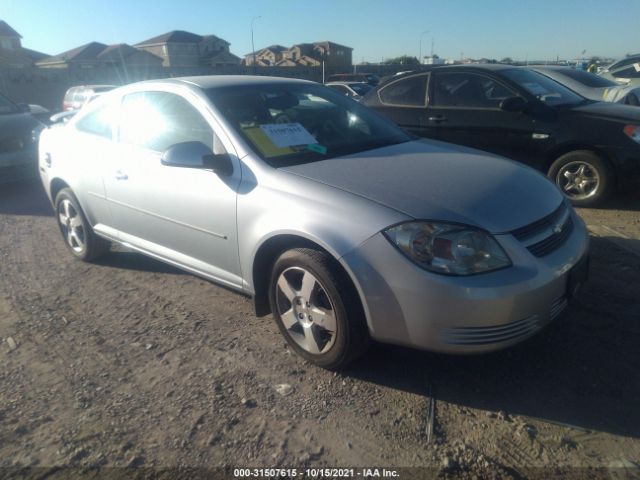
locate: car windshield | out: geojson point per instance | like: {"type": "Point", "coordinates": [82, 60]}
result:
{"type": "Point", "coordinates": [7, 106]}
{"type": "Point", "coordinates": [296, 123]}
{"type": "Point", "coordinates": [543, 88]}
{"type": "Point", "coordinates": [587, 78]}
{"type": "Point", "coordinates": [360, 88]}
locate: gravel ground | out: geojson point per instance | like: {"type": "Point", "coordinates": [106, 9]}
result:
{"type": "Point", "coordinates": [131, 363]}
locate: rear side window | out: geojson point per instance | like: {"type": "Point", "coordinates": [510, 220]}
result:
{"type": "Point", "coordinates": [99, 122]}
{"type": "Point", "coordinates": [407, 92]}
{"type": "Point", "coordinates": [468, 90]}
{"type": "Point", "coordinates": [158, 120]}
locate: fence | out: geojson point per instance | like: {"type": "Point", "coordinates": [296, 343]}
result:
{"type": "Point", "coordinates": [46, 86]}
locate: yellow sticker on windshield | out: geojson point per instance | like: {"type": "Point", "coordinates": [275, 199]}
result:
{"type": "Point", "coordinates": [264, 143]}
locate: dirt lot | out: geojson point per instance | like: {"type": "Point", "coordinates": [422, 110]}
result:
{"type": "Point", "coordinates": [133, 363]}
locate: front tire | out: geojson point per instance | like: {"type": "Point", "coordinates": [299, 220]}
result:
{"type": "Point", "coordinates": [76, 231]}
{"type": "Point", "coordinates": [317, 309]}
{"type": "Point", "coordinates": [583, 176]}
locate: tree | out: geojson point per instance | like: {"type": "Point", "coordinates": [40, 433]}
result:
{"type": "Point", "coordinates": [403, 60]}
{"type": "Point", "coordinates": [506, 60]}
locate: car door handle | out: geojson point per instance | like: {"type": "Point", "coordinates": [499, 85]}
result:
{"type": "Point", "coordinates": [120, 175]}
{"type": "Point", "coordinates": [437, 119]}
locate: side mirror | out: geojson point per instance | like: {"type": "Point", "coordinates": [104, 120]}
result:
{"type": "Point", "coordinates": [514, 104]}
{"type": "Point", "coordinates": [197, 155]}
{"type": "Point", "coordinates": [24, 107]}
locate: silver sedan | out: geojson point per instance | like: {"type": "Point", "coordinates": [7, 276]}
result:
{"type": "Point", "coordinates": [333, 219]}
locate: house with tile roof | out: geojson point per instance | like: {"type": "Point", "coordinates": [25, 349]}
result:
{"type": "Point", "coordinates": [12, 53]}
{"type": "Point", "coordinates": [303, 54]}
{"type": "Point", "coordinates": [179, 48]}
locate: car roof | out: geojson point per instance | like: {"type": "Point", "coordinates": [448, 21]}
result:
{"type": "Point", "coordinates": [465, 66]}
{"type": "Point", "coordinates": [219, 81]}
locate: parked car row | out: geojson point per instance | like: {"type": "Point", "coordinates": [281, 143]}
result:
{"type": "Point", "coordinates": [340, 223]}
{"type": "Point", "coordinates": [585, 147]}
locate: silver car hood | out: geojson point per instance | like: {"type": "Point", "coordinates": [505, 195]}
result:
{"type": "Point", "coordinates": [438, 181]}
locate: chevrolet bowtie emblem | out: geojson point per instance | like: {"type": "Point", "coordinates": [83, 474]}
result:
{"type": "Point", "coordinates": [557, 229]}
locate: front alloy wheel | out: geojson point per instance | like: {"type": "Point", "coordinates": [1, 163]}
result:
{"type": "Point", "coordinates": [305, 310]}
{"type": "Point", "coordinates": [317, 308]}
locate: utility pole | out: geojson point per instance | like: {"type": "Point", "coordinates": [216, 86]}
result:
{"type": "Point", "coordinates": [253, 48]}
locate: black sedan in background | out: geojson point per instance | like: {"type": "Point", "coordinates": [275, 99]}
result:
{"type": "Point", "coordinates": [19, 132]}
{"type": "Point", "coordinates": [586, 147]}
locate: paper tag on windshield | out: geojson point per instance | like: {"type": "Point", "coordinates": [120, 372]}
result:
{"type": "Point", "coordinates": [287, 134]}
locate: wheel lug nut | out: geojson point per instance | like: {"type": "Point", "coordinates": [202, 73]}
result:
{"type": "Point", "coordinates": [310, 318]}
{"type": "Point", "coordinates": [300, 316]}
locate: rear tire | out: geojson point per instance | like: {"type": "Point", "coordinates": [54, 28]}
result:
{"type": "Point", "coordinates": [76, 231]}
{"type": "Point", "coordinates": [317, 308]}
{"type": "Point", "coordinates": [583, 176]}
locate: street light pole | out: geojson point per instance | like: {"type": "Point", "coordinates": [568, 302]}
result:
{"type": "Point", "coordinates": [253, 48]}
{"type": "Point", "coordinates": [420, 57]}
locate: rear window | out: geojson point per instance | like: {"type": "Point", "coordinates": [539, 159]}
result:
{"type": "Point", "coordinates": [587, 78]}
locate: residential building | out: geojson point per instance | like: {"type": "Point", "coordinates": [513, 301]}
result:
{"type": "Point", "coordinates": [96, 54]}
{"type": "Point", "coordinates": [85, 56]}
{"type": "Point", "coordinates": [303, 54]}
{"type": "Point", "coordinates": [185, 49]}
{"type": "Point", "coordinates": [266, 57]}
{"type": "Point", "coordinates": [122, 54]}
{"type": "Point", "coordinates": [12, 53]}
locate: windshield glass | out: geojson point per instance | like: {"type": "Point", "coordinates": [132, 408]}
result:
{"type": "Point", "coordinates": [7, 106]}
{"type": "Point", "coordinates": [542, 87]}
{"type": "Point", "coordinates": [587, 78]}
{"type": "Point", "coordinates": [294, 123]}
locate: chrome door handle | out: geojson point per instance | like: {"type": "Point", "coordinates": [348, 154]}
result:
{"type": "Point", "coordinates": [120, 175]}
{"type": "Point", "coordinates": [438, 119]}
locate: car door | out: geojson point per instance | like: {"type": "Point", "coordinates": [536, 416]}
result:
{"type": "Point", "coordinates": [184, 215]}
{"type": "Point", "coordinates": [89, 152]}
{"type": "Point", "coordinates": [464, 108]}
{"type": "Point", "coordinates": [404, 101]}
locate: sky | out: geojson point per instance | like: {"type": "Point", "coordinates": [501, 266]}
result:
{"type": "Point", "coordinates": [375, 29]}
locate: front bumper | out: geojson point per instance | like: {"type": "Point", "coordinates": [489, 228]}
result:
{"type": "Point", "coordinates": [407, 305]}
{"type": "Point", "coordinates": [18, 166]}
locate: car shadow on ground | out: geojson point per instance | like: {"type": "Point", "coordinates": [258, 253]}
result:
{"type": "Point", "coordinates": [624, 200]}
{"type": "Point", "coordinates": [582, 370]}
{"type": "Point", "coordinates": [24, 198]}
{"type": "Point", "coordinates": [130, 260]}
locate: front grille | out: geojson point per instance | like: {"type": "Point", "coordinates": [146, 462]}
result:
{"type": "Point", "coordinates": [491, 334]}
{"type": "Point", "coordinates": [557, 307]}
{"type": "Point", "coordinates": [553, 241]}
{"type": "Point", "coordinates": [547, 234]}
{"type": "Point", "coordinates": [541, 225]}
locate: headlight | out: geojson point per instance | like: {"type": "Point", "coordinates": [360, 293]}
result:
{"type": "Point", "coordinates": [633, 132]}
{"type": "Point", "coordinates": [447, 248]}
{"type": "Point", "coordinates": [35, 133]}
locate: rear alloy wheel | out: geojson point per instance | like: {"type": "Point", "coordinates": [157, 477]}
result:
{"type": "Point", "coordinates": [582, 176]}
{"type": "Point", "coordinates": [78, 235]}
{"type": "Point", "coordinates": [317, 309]}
